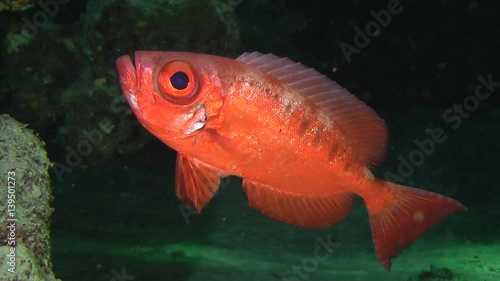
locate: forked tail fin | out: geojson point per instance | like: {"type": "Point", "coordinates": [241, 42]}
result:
{"type": "Point", "coordinates": [402, 214]}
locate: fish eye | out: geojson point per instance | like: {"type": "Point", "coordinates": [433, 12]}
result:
{"type": "Point", "coordinates": [177, 82]}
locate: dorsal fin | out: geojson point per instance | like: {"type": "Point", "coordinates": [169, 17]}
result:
{"type": "Point", "coordinates": [361, 124]}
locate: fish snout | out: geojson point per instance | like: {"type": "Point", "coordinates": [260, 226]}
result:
{"type": "Point", "coordinates": [136, 79]}
{"type": "Point", "coordinates": [127, 76]}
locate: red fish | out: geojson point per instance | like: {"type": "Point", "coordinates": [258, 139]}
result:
{"type": "Point", "coordinates": [303, 145]}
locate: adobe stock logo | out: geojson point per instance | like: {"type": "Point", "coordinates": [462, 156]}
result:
{"type": "Point", "coordinates": [453, 117]}
{"type": "Point", "coordinates": [372, 29]}
{"type": "Point", "coordinates": [30, 29]}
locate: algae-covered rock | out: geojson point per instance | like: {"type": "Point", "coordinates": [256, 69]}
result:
{"type": "Point", "coordinates": [16, 5]}
{"type": "Point", "coordinates": [117, 27]}
{"type": "Point", "coordinates": [24, 204]}
{"type": "Point", "coordinates": [61, 77]}
{"type": "Point", "coordinates": [93, 103]}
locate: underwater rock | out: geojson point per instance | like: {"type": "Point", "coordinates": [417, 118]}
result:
{"type": "Point", "coordinates": [62, 80]}
{"type": "Point", "coordinates": [113, 28]}
{"type": "Point", "coordinates": [16, 5]}
{"type": "Point", "coordinates": [24, 204]}
{"type": "Point", "coordinates": [36, 68]}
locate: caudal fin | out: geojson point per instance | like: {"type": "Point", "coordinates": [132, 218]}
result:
{"type": "Point", "coordinates": [402, 215]}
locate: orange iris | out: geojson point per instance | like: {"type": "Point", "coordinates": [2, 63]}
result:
{"type": "Point", "coordinates": [177, 82]}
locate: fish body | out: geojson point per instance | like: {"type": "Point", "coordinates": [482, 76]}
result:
{"type": "Point", "coordinates": [303, 145]}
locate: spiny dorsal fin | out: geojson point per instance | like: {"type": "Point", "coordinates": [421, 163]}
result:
{"type": "Point", "coordinates": [364, 127]}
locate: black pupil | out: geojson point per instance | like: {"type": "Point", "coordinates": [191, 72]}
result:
{"type": "Point", "coordinates": [179, 80]}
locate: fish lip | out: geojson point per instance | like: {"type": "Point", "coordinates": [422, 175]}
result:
{"type": "Point", "coordinates": [128, 79]}
{"type": "Point", "coordinates": [126, 69]}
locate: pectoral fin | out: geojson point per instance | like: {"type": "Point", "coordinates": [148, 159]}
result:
{"type": "Point", "coordinates": [195, 182]}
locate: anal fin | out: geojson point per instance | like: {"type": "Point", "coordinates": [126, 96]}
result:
{"type": "Point", "coordinates": [297, 209]}
{"type": "Point", "coordinates": [195, 181]}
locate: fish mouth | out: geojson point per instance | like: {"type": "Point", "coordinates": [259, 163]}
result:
{"type": "Point", "coordinates": [131, 76]}
{"type": "Point", "coordinates": [128, 78]}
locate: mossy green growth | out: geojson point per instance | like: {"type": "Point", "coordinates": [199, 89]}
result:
{"type": "Point", "coordinates": [24, 204]}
